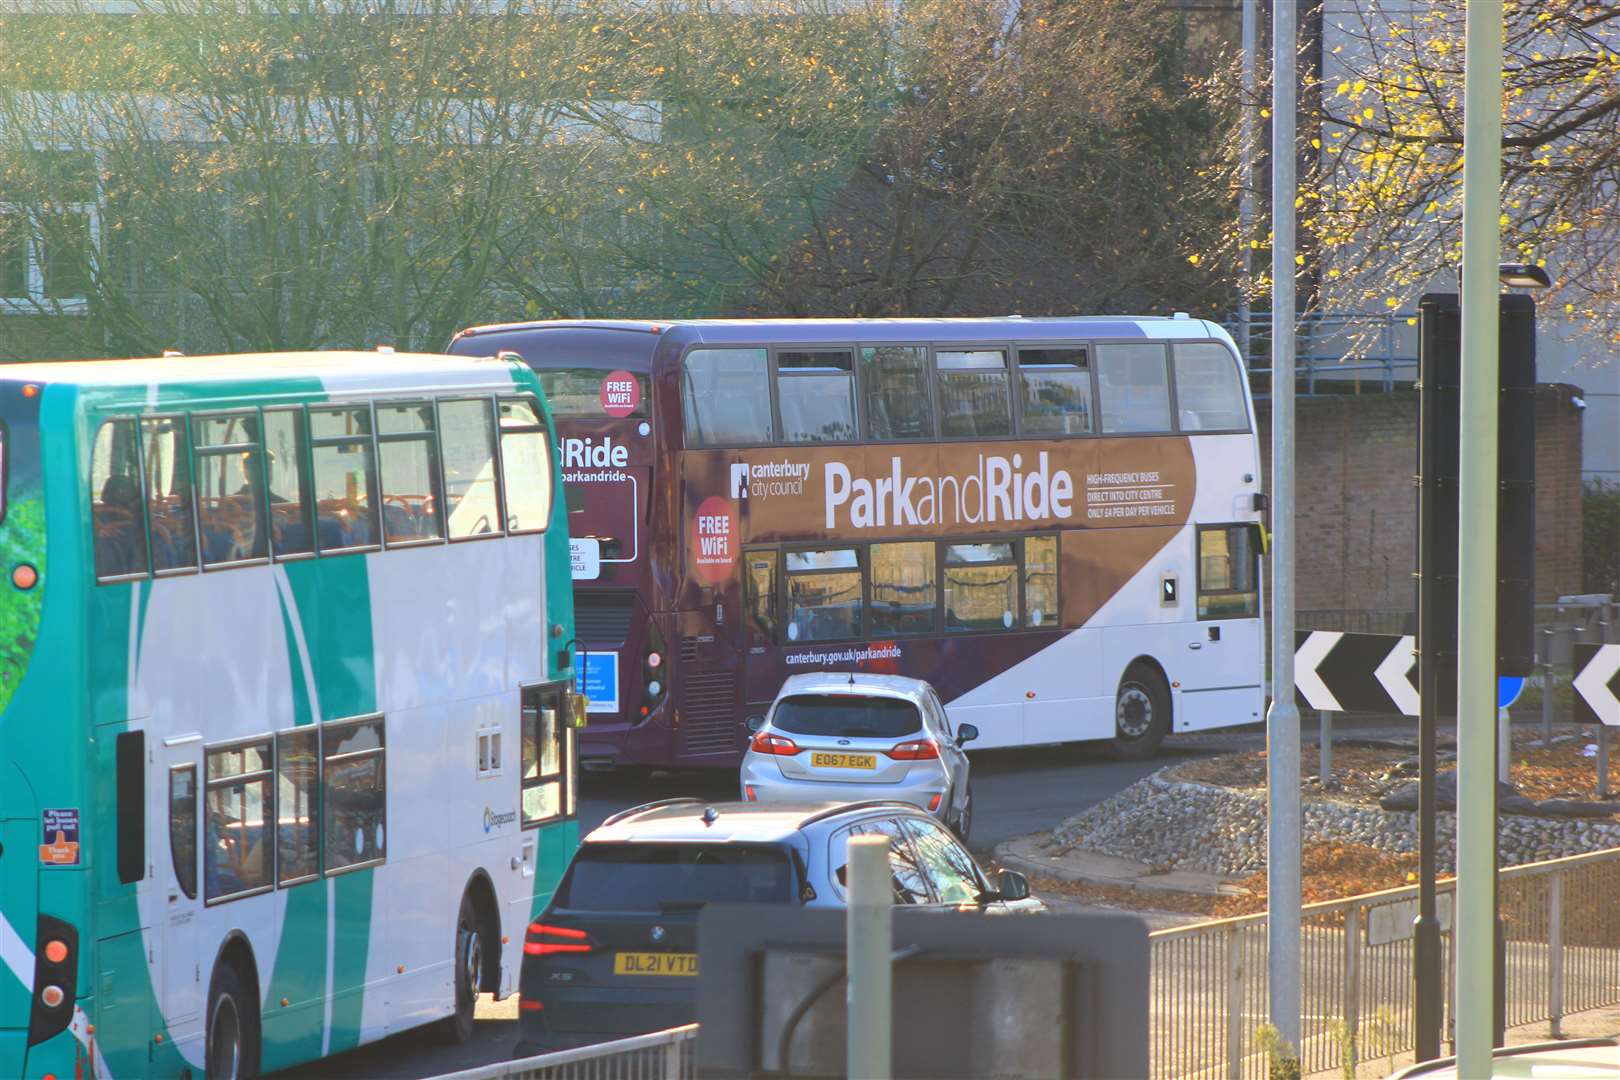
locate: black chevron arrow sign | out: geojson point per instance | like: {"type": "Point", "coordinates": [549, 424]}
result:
{"type": "Point", "coordinates": [1597, 684]}
{"type": "Point", "coordinates": [1339, 672]}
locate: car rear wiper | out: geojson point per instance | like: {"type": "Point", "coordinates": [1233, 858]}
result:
{"type": "Point", "coordinates": [862, 733]}
{"type": "Point", "coordinates": [671, 906]}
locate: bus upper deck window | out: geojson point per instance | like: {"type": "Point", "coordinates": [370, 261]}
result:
{"type": "Point", "coordinates": [230, 487]}
{"type": "Point", "coordinates": [815, 393]}
{"type": "Point", "coordinates": [467, 443]}
{"type": "Point", "coordinates": [1134, 385]}
{"type": "Point", "coordinates": [525, 466]}
{"type": "Point", "coordinates": [1209, 392]}
{"type": "Point", "coordinates": [115, 501]}
{"type": "Point", "coordinates": [285, 480]}
{"type": "Point", "coordinates": [408, 469]}
{"type": "Point", "coordinates": [1054, 391]}
{"type": "Point", "coordinates": [167, 475]}
{"type": "Point", "coordinates": [894, 379]}
{"type": "Point", "coordinates": [973, 393]}
{"type": "Point", "coordinates": [345, 479]}
{"type": "Point", "coordinates": [726, 397]}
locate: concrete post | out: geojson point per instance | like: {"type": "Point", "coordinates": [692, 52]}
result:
{"type": "Point", "coordinates": [1324, 747]}
{"type": "Point", "coordinates": [869, 945]}
{"type": "Point", "coordinates": [1476, 563]}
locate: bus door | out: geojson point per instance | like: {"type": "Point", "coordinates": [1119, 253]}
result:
{"type": "Point", "coordinates": [174, 813]}
{"type": "Point", "coordinates": [763, 671]}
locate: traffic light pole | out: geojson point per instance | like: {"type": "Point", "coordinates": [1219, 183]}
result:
{"type": "Point", "coordinates": [1475, 934]}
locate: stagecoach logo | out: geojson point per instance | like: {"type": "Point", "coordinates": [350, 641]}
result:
{"type": "Point", "coordinates": [998, 489]}
{"type": "Point", "coordinates": [492, 820]}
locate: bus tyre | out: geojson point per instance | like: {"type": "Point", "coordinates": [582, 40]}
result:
{"type": "Point", "coordinates": [964, 816]}
{"type": "Point", "coordinates": [233, 1028]}
{"type": "Point", "coordinates": [1141, 713]}
{"type": "Point", "coordinates": [468, 969]}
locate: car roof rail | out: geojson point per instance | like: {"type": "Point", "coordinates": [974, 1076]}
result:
{"type": "Point", "coordinates": [644, 807]}
{"type": "Point", "coordinates": [865, 804]}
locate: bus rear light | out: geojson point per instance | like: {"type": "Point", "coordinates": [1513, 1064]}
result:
{"type": "Point", "coordinates": [51, 997]}
{"type": "Point", "coordinates": [917, 750]}
{"type": "Point", "coordinates": [655, 688]}
{"type": "Point", "coordinates": [654, 659]}
{"type": "Point", "coordinates": [56, 951]}
{"type": "Point", "coordinates": [775, 745]}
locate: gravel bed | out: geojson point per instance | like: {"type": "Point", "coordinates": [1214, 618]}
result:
{"type": "Point", "coordinates": [1178, 825]}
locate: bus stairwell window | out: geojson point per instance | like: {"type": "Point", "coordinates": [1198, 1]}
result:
{"type": "Point", "coordinates": [298, 792]}
{"type": "Point", "coordinates": [824, 596]}
{"type": "Point", "coordinates": [467, 442]}
{"type": "Point", "coordinates": [904, 588]}
{"type": "Point", "coordinates": [167, 475]}
{"type": "Point", "coordinates": [183, 827]}
{"type": "Point", "coordinates": [1041, 581]}
{"type": "Point", "coordinates": [115, 501]}
{"type": "Point", "coordinates": [815, 393]}
{"type": "Point", "coordinates": [973, 393]}
{"type": "Point", "coordinates": [354, 787]}
{"type": "Point", "coordinates": [1209, 391]}
{"type": "Point", "coordinates": [238, 851]}
{"type": "Point", "coordinates": [1133, 383]}
{"type": "Point", "coordinates": [525, 466]}
{"type": "Point", "coordinates": [726, 397]}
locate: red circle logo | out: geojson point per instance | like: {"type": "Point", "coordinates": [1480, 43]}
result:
{"type": "Point", "coordinates": [620, 393]}
{"type": "Point", "coordinates": [716, 539]}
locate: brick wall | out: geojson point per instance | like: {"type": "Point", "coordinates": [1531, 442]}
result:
{"type": "Point", "coordinates": [1357, 510]}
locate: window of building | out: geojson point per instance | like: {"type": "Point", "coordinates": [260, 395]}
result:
{"type": "Point", "coordinates": [117, 516]}
{"type": "Point", "coordinates": [815, 393]}
{"type": "Point", "coordinates": [824, 595]}
{"type": "Point", "coordinates": [183, 827]}
{"type": "Point", "coordinates": [726, 397]}
{"type": "Point", "coordinates": [166, 474]}
{"type": "Point", "coordinates": [354, 793]}
{"type": "Point", "coordinates": [973, 399]}
{"type": "Point", "coordinates": [762, 566]}
{"type": "Point", "coordinates": [1134, 387]}
{"type": "Point", "coordinates": [238, 851]}
{"type": "Point", "coordinates": [525, 466]}
{"type": "Point", "coordinates": [290, 532]}
{"type": "Point", "coordinates": [904, 591]}
{"type": "Point", "coordinates": [894, 381]}
{"type": "Point", "coordinates": [409, 471]}
{"type": "Point", "coordinates": [981, 586]}
{"type": "Point", "coordinates": [298, 806]}
{"type": "Point", "coordinates": [1055, 391]}
{"type": "Point", "coordinates": [1228, 572]}
{"type": "Point", "coordinates": [230, 488]}
{"type": "Point", "coordinates": [1041, 581]}
{"type": "Point", "coordinates": [344, 480]}
{"type": "Point", "coordinates": [1209, 388]}
{"type": "Point", "coordinates": [547, 755]}
{"type": "Point", "coordinates": [467, 443]}
{"type": "Point", "coordinates": [48, 245]}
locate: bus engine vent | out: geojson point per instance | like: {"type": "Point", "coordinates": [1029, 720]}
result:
{"type": "Point", "coordinates": [710, 715]}
{"type": "Point", "coordinates": [603, 618]}
{"type": "Point", "coordinates": [689, 650]}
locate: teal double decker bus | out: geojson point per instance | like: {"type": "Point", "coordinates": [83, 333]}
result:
{"type": "Point", "coordinates": [286, 748]}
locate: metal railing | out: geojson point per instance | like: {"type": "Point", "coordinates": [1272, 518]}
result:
{"type": "Point", "coordinates": [1209, 980]}
{"type": "Point", "coordinates": [663, 1055]}
{"type": "Point", "coordinates": [1353, 347]}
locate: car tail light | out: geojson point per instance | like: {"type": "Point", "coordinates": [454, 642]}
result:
{"type": "Point", "coordinates": [933, 804]}
{"type": "Point", "coordinates": [748, 793]}
{"type": "Point", "coordinates": [778, 745]}
{"type": "Point", "coordinates": [917, 750]}
{"type": "Point", "coordinates": [573, 941]}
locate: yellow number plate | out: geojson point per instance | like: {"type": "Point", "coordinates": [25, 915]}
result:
{"type": "Point", "coordinates": [655, 963]}
{"type": "Point", "coordinates": [844, 761]}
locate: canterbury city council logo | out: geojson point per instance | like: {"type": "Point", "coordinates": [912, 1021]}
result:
{"type": "Point", "coordinates": [739, 480]}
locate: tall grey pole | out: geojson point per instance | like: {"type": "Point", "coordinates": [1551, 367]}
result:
{"type": "Point", "coordinates": [869, 956]}
{"type": "Point", "coordinates": [1246, 147]}
{"type": "Point", "coordinates": [1475, 939]}
{"type": "Point", "coordinates": [1282, 721]}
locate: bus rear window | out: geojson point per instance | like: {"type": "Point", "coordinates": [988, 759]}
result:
{"type": "Point", "coordinates": [593, 394]}
{"type": "Point", "coordinates": [846, 716]}
{"type": "Point", "coordinates": [654, 877]}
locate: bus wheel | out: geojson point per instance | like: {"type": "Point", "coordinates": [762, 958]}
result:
{"type": "Point", "coordinates": [469, 970]}
{"type": "Point", "coordinates": [232, 1029]}
{"type": "Point", "coordinates": [1141, 713]}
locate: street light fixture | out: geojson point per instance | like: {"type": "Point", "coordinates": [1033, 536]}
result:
{"type": "Point", "coordinates": [1523, 276]}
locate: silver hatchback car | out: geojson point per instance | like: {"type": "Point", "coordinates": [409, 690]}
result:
{"type": "Point", "coordinates": [845, 736]}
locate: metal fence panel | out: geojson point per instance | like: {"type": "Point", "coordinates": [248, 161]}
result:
{"type": "Point", "coordinates": [663, 1055]}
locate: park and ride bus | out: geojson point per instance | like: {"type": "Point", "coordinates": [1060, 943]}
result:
{"type": "Point", "coordinates": [285, 704]}
{"type": "Point", "coordinates": [1055, 521]}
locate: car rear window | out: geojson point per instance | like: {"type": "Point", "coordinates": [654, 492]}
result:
{"type": "Point", "coordinates": [847, 716]}
{"type": "Point", "coordinates": [656, 877]}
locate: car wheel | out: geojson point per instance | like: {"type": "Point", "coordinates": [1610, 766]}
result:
{"type": "Point", "coordinates": [233, 1027]}
{"type": "Point", "coordinates": [468, 970]}
{"type": "Point", "coordinates": [1141, 713]}
{"type": "Point", "coordinates": [964, 816]}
